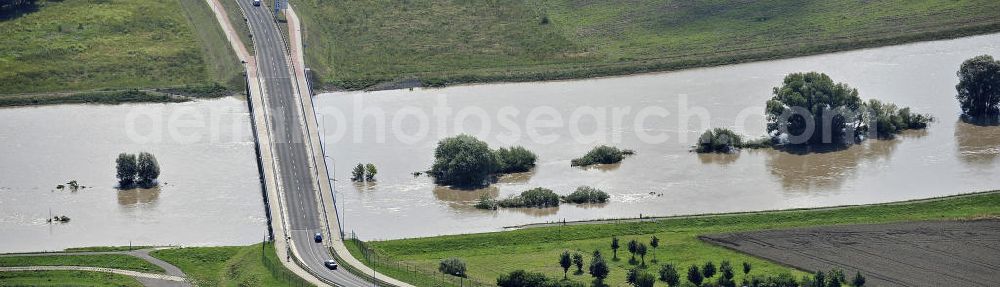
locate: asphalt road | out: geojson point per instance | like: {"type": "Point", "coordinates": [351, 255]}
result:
{"type": "Point", "coordinates": [289, 145]}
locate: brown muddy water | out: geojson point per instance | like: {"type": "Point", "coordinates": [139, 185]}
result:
{"type": "Point", "coordinates": [209, 192]}
{"type": "Point", "coordinates": [397, 130]}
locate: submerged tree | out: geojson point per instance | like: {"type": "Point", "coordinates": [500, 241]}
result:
{"type": "Point", "coordinates": [148, 169]}
{"type": "Point", "coordinates": [370, 172]}
{"type": "Point", "coordinates": [463, 160]}
{"type": "Point", "coordinates": [358, 173]}
{"type": "Point", "coordinates": [809, 108]}
{"type": "Point", "coordinates": [979, 88]}
{"type": "Point", "coordinates": [126, 166]}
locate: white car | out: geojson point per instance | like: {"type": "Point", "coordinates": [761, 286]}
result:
{"type": "Point", "coordinates": [330, 264]}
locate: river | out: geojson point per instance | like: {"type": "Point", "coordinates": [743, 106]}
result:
{"type": "Point", "coordinates": [209, 192]}
{"type": "Point", "coordinates": [659, 116]}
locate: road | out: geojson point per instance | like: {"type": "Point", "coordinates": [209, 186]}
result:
{"type": "Point", "coordinates": [290, 147]}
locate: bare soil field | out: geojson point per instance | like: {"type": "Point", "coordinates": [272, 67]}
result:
{"type": "Point", "coordinates": [930, 253]}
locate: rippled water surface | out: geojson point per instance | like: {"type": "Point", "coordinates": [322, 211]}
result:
{"type": "Point", "coordinates": [209, 193]}
{"type": "Point", "coordinates": [664, 178]}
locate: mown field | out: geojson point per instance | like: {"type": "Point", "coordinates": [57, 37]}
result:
{"type": "Point", "coordinates": [358, 44]}
{"type": "Point", "coordinates": [231, 266]}
{"type": "Point", "coordinates": [488, 255]}
{"type": "Point", "coordinates": [66, 278]}
{"type": "Point", "coordinates": [87, 45]}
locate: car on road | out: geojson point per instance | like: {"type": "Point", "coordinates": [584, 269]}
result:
{"type": "Point", "coordinates": [330, 264]}
{"type": "Point", "coordinates": [318, 237]}
{"type": "Point", "coordinates": [256, 2]}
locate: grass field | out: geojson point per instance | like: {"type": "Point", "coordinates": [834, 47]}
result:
{"type": "Point", "coordinates": [231, 266]}
{"type": "Point", "coordinates": [66, 278]}
{"type": "Point", "coordinates": [87, 45]}
{"type": "Point", "coordinates": [116, 261]}
{"type": "Point", "coordinates": [537, 249]}
{"type": "Point", "coordinates": [357, 44]}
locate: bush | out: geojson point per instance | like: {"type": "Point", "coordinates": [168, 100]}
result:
{"type": "Point", "coordinates": [586, 194]}
{"type": "Point", "coordinates": [536, 197]}
{"type": "Point", "coordinates": [463, 160]}
{"type": "Point", "coordinates": [888, 120]}
{"type": "Point", "coordinates": [780, 280]}
{"type": "Point", "coordinates": [979, 88]}
{"type": "Point", "coordinates": [452, 266]}
{"type": "Point", "coordinates": [521, 278]}
{"type": "Point", "coordinates": [719, 140]}
{"type": "Point", "coordinates": [485, 202]}
{"type": "Point", "coordinates": [515, 159]}
{"type": "Point", "coordinates": [600, 155]}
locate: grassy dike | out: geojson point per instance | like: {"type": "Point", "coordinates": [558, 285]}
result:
{"type": "Point", "coordinates": [66, 278]}
{"type": "Point", "coordinates": [115, 261]}
{"type": "Point", "coordinates": [359, 44]}
{"type": "Point", "coordinates": [90, 46]}
{"type": "Point", "coordinates": [537, 249]}
{"type": "Point", "coordinates": [231, 266]}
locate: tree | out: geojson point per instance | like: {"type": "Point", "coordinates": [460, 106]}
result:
{"type": "Point", "coordinates": [370, 172]}
{"type": "Point", "coordinates": [598, 268]}
{"type": "Point", "coordinates": [708, 270]}
{"type": "Point", "coordinates": [641, 250]}
{"type": "Point", "coordinates": [979, 88]}
{"type": "Point", "coordinates": [819, 279]}
{"type": "Point", "coordinates": [859, 281]}
{"type": "Point", "coordinates": [452, 266]}
{"type": "Point", "coordinates": [515, 159]}
{"type": "Point", "coordinates": [746, 268]}
{"type": "Point", "coordinates": [633, 247]}
{"type": "Point", "coordinates": [644, 279]}
{"type": "Point", "coordinates": [463, 160]}
{"type": "Point", "coordinates": [126, 166]}
{"type": "Point", "coordinates": [578, 261]}
{"type": "Point", "coordinates": [668, 274]}
{"type": "Point", "coordinates": [888, 120]}
{"type": "Point", "coordinates": [632, 275]}
{"type": "Point", "coordinates": [810, 109]}
{"type": "Point", "coordinates": [147, 169]}
{"type": "Point", "coordinates": [726, 269]}
{"type": "Point", "coordinates": [694, 276]}
{"type": "Point", "coordinates": [615, 246]}
{"type": "Point", "coordinates": [358, 174]}
{"type": "Point", "coordinates": [836, 278]}
{"type": "Point", "coordinates": [654, 242]}
{"type": "Point", "coordinates": [565, 261]}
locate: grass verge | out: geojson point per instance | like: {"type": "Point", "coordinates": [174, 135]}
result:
{"type": "Point", "coordinates": [360, 44]}
{"type": "Point", "coordinates": [66, 278]}
{"type": "Point", "coordinates": [537, 249]}
{"type": "Point", "coordinates": [255, 265]}
{"type": "Point", "coordinates": [239, 23]}
{"type": "Point", "coordinates": [116, 261]}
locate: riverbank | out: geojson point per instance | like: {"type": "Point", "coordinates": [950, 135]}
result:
{"type": "Point", "coordinates": [369, 45]}
{"type": "Point", "coordinates": [76, 46]}
{"type": "Point", "coordinates": [489, 255]}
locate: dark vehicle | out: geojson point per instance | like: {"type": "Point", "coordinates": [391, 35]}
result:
{"type": "Point", "coordinates": [330, 264]}
{"type": "Point", "coordinates": [256, 2]}
{"type": "Point", "coordinates": [318, 237]}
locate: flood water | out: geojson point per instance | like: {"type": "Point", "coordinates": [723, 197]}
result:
{"type": "Point", "coordinates": [209, 192]}
{"type": "Point", "coordinates": [562, 120]}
